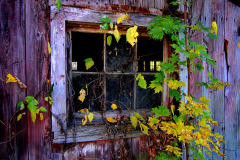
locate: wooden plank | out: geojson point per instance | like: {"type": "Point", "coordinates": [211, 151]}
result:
{"type": "Point", "coordinates": [130, 2]}
{"type": "Point", "coordinates": [232, 97]}
{"type": "Point", "coordinates": [139, 3]}
{"type": "Point", "coordinates": [159, 4]}
{"type": "Point", "coordinates": [216, 50]}
{"type": "Point", "coordinates": [80, 151]}
{"type": "Point", "coordinates": [12, 60]}
{"type": "Point", "coordinates": [36, 72]}
{"type": "Point", "coordinates": [102, 150]}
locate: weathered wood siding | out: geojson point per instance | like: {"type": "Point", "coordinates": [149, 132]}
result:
{"type": "Point", "coordinates": [225, 103]}
{"type": "Point", "coordinates": [104, 4]}
{"type": "Point", "coordinates": [24, 33]}
{"type": "Point", "coordinates": [12, 60]}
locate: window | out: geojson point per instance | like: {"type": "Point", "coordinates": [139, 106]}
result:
{"type": "Point", "coordinates": [111, 80]}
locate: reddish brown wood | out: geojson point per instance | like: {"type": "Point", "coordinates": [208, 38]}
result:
{"type": "Point", "coordinates": [12, 60]}
{"type": "Point", "coordinates": [37, 31]}
{"type": "Point", "coordinates": [24, 54]}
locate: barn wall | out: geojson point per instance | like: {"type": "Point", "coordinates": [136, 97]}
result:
{"type": "Point", "coordinates": [24, 33]}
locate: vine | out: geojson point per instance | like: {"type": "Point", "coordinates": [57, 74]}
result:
{"type": "Point", "coordinates": [180, 129]}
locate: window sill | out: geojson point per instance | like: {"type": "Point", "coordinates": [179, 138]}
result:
{"type": "Point", "coordinates": [92, 133]}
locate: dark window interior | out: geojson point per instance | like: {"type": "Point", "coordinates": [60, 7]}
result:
{"type": "Point", "coordinates": [148, 50]}
{"type": "Point", "coordinates": [118, 80]}
{"type": "Point", "coordinates": [87, 45]}
{"type": "Point", "coordinates": [120, 56]}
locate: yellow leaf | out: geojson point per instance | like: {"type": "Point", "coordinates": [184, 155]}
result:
{"type": "Point", "coordinates": [49, 48]}
{"type": "Point", "coordinates": [214, 29]}
{"type": "Point", "coordinates": [85, 120]}
{"type": "Point", "coordinates": [134, 121]}
{"type": "Point", "coordinates": [116, 34]}
{"type": "Point", "coordinates": [87, 89]}
{"type": "Point", "coordinates": [173, 109]}
{"type": "Point", "coordinates": [110, 119]}
{"type": "Point", "coordinates": [82, 95]}
{"type": "Point", "coordinates": [19, 117]}
{"type": "Point", "coordinates": [238, 44]}
{"type": "Point", "coordinates": [121, 18]}
{"type": "Point", "coordinates": [90, 117]}
{"type": "Point", "coordinates": [114, 106]}
{"type": "Point", "coordinates": [132, 35]}
{"type": "Point", "coordinates": [41, 116]}
{"type": "Point", "coordinates": [85, 110]}
{"type": "Point", "coordinates": [144, 128]}
{"type": "Point", "coordinates": [37, 111]}
{"type": "Point", "coordinates": [11, 78]}
{"type": "Point", "coordinates": [33, 116]}
{"type": "Point", "coordinates": [175, 150]}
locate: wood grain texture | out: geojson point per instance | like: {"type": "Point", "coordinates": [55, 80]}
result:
{"type": "Point", "coordinates": [24, 54]}
{"type": "Point", "coordinates": [232, 96]}
{"type": "Point", "coordinates": [36, 73]}
{"type": "Point", "coordinates": [12, 60]}
{"type": "Point", "coordinates": [216, 50]}
{"type": "Point", "coordinates": [157, 4]}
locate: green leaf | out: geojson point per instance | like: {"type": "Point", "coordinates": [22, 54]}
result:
{"type": "Point", "coordinates": [161, 111]}
{"type": "Point", "coordinates": [88, 63]}
{"type": "Point", "coordinates": [212, 35]}
{"type": "Point", "coordinates": [134, 121]}
{"type": "Point", "coordinates": [144, 128]}
{"type": "Point", "coordinates": [49, 100]}
{"type": "Point", "coordinates": [111, 25]}
{"type": "Point", "coordinates": [32, 102]}
{"type": "Point", "coordinates": [20, 105]}
{"type": "Point", "coordinates": [139, 116]}
{"type": "Point", "coordinates": [157, 87]}
{"type": "Point", "coordinates": [174, 93]}
{"type": "Point", "coordinates": [167, 67]}
{"type": "Point", "coordinates": [42, 109]}
{"type": "Point", "coordinates": [105, 19]}
{"type": "Point", "coordinates": [104, 27]}
{"type": "Point", "coordinates": [141, 81]}
{"type": "Point", "coordinates": [199, 66]}
{"type": "Point", "coordinates": [58, 3]}
{"type": "Point", "coordinates": [174, 58]}
{"type": "Point", "coordinates": [160, 76]}
{"type": "Point", "coordinates": [51, 88]}
{"type": "Point", "coordinates": [194, 99]}
{"type": "Point", "coordinates": [109, 40]}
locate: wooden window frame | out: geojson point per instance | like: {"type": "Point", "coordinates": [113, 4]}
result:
{"type": "Point", "coordinates": [62, 133]}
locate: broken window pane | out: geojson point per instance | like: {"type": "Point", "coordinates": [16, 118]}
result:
{"type": "Point", "coordinates": [87, 45]}
{"type": "Point", "coordinates": [148, 50]}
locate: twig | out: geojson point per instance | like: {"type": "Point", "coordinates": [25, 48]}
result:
{"type": "Point", "coordinates": [13, 136]}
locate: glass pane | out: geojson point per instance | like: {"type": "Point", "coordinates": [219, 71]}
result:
{"type": "Point", "coordinates": [146, 98]}
{"type": "Point", "coordinates": [148, 52]}
{"type": "Point", "coordinates": [87, 45]}
{"type": "Point", "coordinates": [119, 56]}
{"type": "Point", "coordinates": [122, 96]}
{"type": "Point", "coordinates": [93, 91]}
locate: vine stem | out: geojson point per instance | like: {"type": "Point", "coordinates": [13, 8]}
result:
{"type": "Point", "coordinates": [188, 68]}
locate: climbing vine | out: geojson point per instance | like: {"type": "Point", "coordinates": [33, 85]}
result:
{"type": "Point", "coordinates": [192, 126]}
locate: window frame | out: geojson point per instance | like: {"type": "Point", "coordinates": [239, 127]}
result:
{"type": "Point", "coordinates": [62, 133]}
